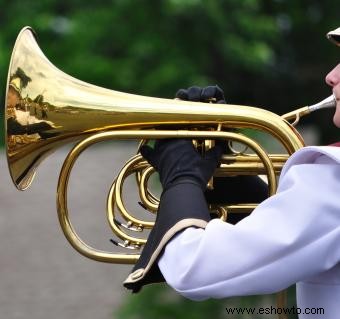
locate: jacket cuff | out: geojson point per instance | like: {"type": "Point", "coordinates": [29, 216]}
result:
{"type": "Point", "coordinates": [182, 205]}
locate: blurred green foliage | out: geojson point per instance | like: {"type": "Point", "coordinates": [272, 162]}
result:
{"type": "Point", "coordinates": [159, 301]}
{"type": "Point", "coordinates": [271, 54]}
{"type": "Point", "coordinates": [156, 302]}
{"type": "Point", "coordinates": [267, 53]}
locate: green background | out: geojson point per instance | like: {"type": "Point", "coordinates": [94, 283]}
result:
{"type": "Point", "coordinates": [270, 54]}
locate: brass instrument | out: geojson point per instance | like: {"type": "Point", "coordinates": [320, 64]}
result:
{"type": "Point", "coordinates": [46, 108]}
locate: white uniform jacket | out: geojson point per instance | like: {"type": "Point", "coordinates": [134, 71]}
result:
{"type": "Point", "coordinates": [292, 237]}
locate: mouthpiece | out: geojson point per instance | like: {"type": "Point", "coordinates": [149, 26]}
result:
{"type": "Point", "coordinates": [297, 114]}
{"type": "Point", "coordinates": [326, 103]}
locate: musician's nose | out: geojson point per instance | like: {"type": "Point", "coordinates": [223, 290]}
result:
{"type": "Point", "coordinates": [333, 77]}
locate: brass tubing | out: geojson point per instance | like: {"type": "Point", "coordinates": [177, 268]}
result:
{"type": "Point", "coordinates": [248, 165]}
{"type": "Point", "coordinates": [117, 231]}
{"type": "Point", "coordinates": [63, 214]}
{"type": "Point", "coordinates": [126, 171]}
{"type": "Point", "coordinates": [148, 199]}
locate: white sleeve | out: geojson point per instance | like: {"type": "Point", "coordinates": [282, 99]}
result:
{"type": "Point", "coordinates": [289, 237]}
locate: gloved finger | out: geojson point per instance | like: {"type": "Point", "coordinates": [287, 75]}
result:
{"type": "Point", "coordinates": [217, 151]}
{"type": "Point", "coordinates": [165, 143]}
{"type": "Point", "coordinates": [182, 94]}
{"type": "Point", "coordinates": [194, 93]}
{"type": "Point", "coordinates": [173, 145]}
{"type": "Point", "coordinates": [208, 93]}
{"type": "Point", "coordinates": [211, 92]}
{"type": "Point", "coordinates": [219, 93]}
{"type": "Point", "coordinates": [149, 154]}
{"type": "Point", "coordinates": [222, 144]}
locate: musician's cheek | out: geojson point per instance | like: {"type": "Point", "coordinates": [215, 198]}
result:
{"type": "Point", "coordinates": [336, 118]}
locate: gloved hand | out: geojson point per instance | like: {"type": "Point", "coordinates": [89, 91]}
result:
{"type": "Point", "coordinates": [178, 159]}
{"type": "Point", "coordinates": [184, 174]}
{"type": "Point", "coordinates": [197, 94]}
{"type": "Point", "coordinates": [227, 190]}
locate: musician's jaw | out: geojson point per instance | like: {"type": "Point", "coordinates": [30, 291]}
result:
{"type": "Point", "coordinates": [336, 93]}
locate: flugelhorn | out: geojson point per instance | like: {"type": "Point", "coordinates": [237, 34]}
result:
{"type": "Point", "coordinates": [46, 108]}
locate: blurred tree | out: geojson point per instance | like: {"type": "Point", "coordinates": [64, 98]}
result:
{"type": "Point", "coordinates": [158, 301]}
{"type": "Point", "coordinates": [268, 53]}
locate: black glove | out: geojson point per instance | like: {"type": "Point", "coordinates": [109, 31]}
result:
{"type": "Point", "coordinates": [197, 94]}
{"type": "Point", "coordinates": [178, 158]}
{"type": "Point", "coordinates": [227, 190]}
{"type": "Point", "coordinates": [174, 158]}
{"type": "Point", "coordinates": [184, 174]}
{"type": "Point", "coordinates": [181, 206]}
